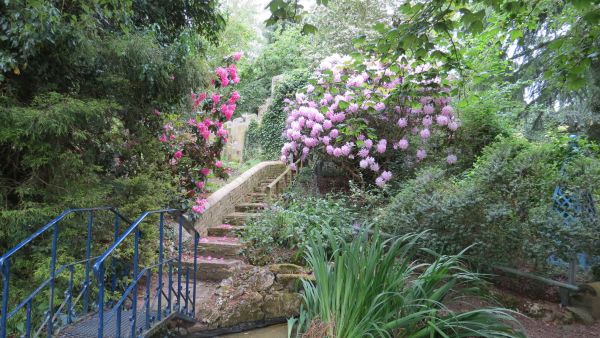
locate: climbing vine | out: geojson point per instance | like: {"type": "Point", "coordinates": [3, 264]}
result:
{"type": "Point", "coordinates": [267, 136]}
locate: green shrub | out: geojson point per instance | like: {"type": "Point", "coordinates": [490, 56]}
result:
{"type": "Point", "coordinates": [504, 204]}
{"type": "Point", "coordinates": [295, 221]}
{"type": "Point", "coordinates": [481, 125]}
{"type": "Point", "coordinates": [374, 288]}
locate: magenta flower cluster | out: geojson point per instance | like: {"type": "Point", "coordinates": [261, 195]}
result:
{"type": "Point", "coordinates": [194, 145]}
{"type": "Point", "coordinates": [361, 113]}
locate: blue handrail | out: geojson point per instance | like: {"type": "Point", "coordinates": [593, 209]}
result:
{"type": "Point", "coordinates": [99, 270]}
{"type": "Point", "coordinates": [44, 284]}
{"type": "Point", "coordinates": [125, 234]}
{"type": "Point", "coordinates": [178, 298]}
{"type": "Point", "coordinates": [5, 266]}
{"type": "Point", "coordinates": [45, 228]}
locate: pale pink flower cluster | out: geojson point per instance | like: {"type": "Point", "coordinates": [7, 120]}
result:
{"type": "Point", "coordinates": [199, 205]}
{"type": "Point", "coordinates": [367, 101]}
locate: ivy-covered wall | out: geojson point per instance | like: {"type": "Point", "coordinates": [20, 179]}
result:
{"type": "Point", "coordinates": [265, 139]}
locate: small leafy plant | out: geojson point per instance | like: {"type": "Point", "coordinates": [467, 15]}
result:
{"type": "Point", "coordinates": [293, 224]}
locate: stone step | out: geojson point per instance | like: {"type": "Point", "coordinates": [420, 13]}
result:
{"type": "Point", "coordinates": [212, 268]}
{"type": "Point", "coordinates": [257, 197]}
{"type": "Point", "coordinates": [216, 268]}
{"type": "Point", "coordinates": [260, 189]}
{"type": "Point", "coordinates": [252, 207]}
{"type": "Point", "coordinates": [227, 247]}
{"type": "Point", "coordinates": [224, 230]}
{"type": "Point", "coordinates": [239, 218]}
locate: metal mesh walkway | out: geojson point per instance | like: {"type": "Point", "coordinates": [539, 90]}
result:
{"type": "Point", "coordinates": [88, 326]}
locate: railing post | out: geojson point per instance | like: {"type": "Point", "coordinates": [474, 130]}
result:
{"type": "Point", "coordinates": [114, 263]}
{"type": "Point", "coordinates": [52, 276]}
{"type": "Point", "coordinates": [118, 322]}
{"type": "Point", "coordinates": [28, 319]}
{"type": "Point", "coordinates": [88, 255]}
{"type": "Point", "coordinates": [133, 317]}
{"type": "Point", "coordinates": [179, 270]}
{"type": "Point", "coordinates": [160, 262]}
{"type": "Point", "coordinates": [100, 279]}
{"type": "Point", "coordinates": [187, 288]}
{"type": "Point", "coordinates": [170, 286]}
{"type": "Point", "coordinates": [147, 298]}
{"type": "Point", "coordinates": [196, 241]}
{"type": "Point", "coordinates": [69, 295]}
{"type": "Point", "coordinates": [5, 286]}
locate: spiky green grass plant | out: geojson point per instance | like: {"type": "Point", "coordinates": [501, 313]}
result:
{"type": "Point", "coordinates": [373, 287]}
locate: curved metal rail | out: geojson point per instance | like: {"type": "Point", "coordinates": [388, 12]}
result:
{"type": "Point", "coordinates": [185, 303]}
{"type": "Point", "coordinates": [50, 283]}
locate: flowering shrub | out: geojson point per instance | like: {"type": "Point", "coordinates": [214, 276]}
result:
{"type": "Point", "coordinates": [194, 144]}
{"type": "Point", "coordinates": [358, 113]}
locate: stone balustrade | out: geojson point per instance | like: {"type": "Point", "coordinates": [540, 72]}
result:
{"type": "Point", "coordinates": [223, 201]}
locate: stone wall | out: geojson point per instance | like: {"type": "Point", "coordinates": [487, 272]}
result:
{"type": "Point", "coordinates": [255, 295]}
{"type": "Point", "coordinates": [222, 202]}
{"type": "Point", "coordinates": [237, 129]}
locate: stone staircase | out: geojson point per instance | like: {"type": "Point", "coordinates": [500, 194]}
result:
{"type": "Point", "coordinates": [220, 250]}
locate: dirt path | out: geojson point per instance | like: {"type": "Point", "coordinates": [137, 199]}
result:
{"type": "Point", "coordinates": [538, 319]}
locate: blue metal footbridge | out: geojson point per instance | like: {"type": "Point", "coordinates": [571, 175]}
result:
{"type": "Point", "coordinates": [126, 283]}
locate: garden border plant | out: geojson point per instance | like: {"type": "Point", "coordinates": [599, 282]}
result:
{"type": "Point", "coordinates": [371, 287]}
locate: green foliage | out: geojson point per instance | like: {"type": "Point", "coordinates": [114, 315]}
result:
{"type": "Point", "coordinates": [143, 75]}
{"type": "Point", "coordinates": [53, 148]}
{"type": "Point", "coordinates": [241, 34]}
{"type": "Point", "coordinates": [290, 11]}
{"type": "Point", "coordinates": [77, 110]}
{"type": "Point", "coordinates": [296, 221]}
{"type": "Point", "coordinates": [389, 294]}
{"type": "Point", "coordinates": [268, 136]}
{"type": "Point", "coordinates": [481, 123]}
{"type": "Point", "coordinates": [503, 204]}
{"type": "Point", "coordinates": [352, 18]}
{"type": "Point", "coordinates": [251, 144]}
{"type": "Point", "coordinates": [425, 27]}
{"type": "Point", "coordinates": [286, 51]}
{"type": "Point", "coordinates": [38, 37]}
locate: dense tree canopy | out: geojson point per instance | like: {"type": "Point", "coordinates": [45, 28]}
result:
{"type": "Point", "coordinates": [84, 86]}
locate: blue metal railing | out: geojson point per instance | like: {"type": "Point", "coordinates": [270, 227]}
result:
{"type": "Point", "coordinates": [50, 283]}
{"type": "Point", "coordinates": [573, 207]}
{"type": "Point", "coordinates": [185, 303]}
{"type": "Point", "coordinates": [163, 298]}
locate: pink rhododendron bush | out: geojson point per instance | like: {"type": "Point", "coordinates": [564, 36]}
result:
{"type": "Point", "coordinates": [194, 143]}
{"type": "Point", "coordinates": [360, 114]}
